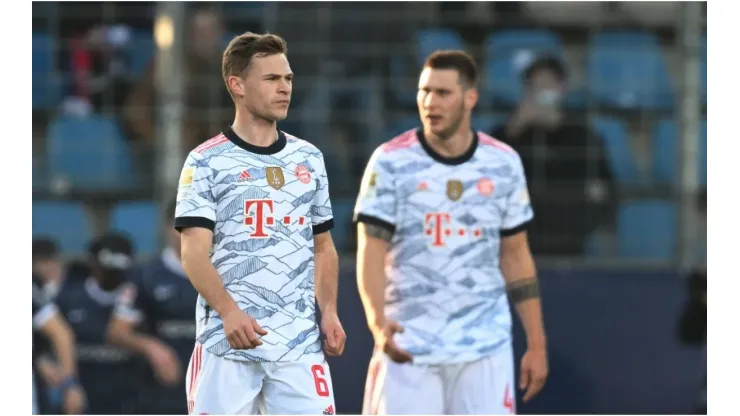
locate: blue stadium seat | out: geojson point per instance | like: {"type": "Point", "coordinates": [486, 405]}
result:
{"type": "Point", "coordinates": [486, 123]}
{"type": "Point", "coordinates": [425, 42]}
{"type": "Point", "coordinates": [509, 52]}
{"type": "Point", "coordinates": [401, 125]}
{"type": "Point", "coordinates": [140, 221]}
{"type": "Point", "coordinates": [66, 222]}
{"type": "Point", "coordinates": [627, 70]}
{"type": "Point", "coordinates": [45, 81]}
{"type": "Point", "coordinates": [342, 209]}
{"type": "Point", "coordinates": [646, 230]}
{"type": "Point", "coordinates": [90, 152]}
{"type": "Point", "coordinates": [665, 152]}
{"type": "Point", "coordinates": [140, 51]}
{"type": "Point", "coordinates": [619, 153]}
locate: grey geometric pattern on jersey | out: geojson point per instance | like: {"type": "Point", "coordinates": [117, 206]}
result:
{"type": "Point", "coordinates": [444, 282]}
{"type": "Point", "coordinates": [263, 240]}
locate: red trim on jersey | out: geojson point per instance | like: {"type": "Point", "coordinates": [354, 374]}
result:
{"type": "Point", "coordinates": [403, 141]}
{"type": "Point", "coordinates": [371, 405]}
{"type": "Point", "coordinates": [195, 363]}
{"type": "Point", "coordinates": [214, 141]}
{"type": "Point", "coordinates": [490, 141]}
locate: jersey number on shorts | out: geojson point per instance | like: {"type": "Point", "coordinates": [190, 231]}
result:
{"type": "Point", "coordinates": [322, 387]}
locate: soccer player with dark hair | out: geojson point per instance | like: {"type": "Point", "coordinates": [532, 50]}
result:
{"type": "Point", "coordinates": [154, 318]}
{"type": "Point", "coordinates": [254, 214]}
{"type": "Point", "coordinates": [448, 207]}
{"type": "Point", "coordinates": [87, 304]}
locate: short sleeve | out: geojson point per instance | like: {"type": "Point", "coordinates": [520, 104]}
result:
{"type": "Point", "coordinates": [43, 309]}
{"type": "Point", "coordinates": [131, 302]}
{"type": "Point", "coordinates": [196, 204]}
{"type": "Point", "coordinates": [376, 202]}
{"type": "Point", "coordinates": [322, 217]}
{"type": "Point", "coordinates": [518, 211]}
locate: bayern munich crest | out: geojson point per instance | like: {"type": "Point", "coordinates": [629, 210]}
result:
{"type": "Point", "coordinates": [303, 174]}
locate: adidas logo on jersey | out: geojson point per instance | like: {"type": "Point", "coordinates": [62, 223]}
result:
{"type": "Point", "coordinates": [245, 176]}
{"type": "Point", "coordinates": [329, 410]}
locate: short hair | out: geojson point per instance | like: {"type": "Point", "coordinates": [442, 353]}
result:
{"type": "Point", "coordinates": [460, 61]}
{"type": "Point", "coordinates": [44, 248]}
{"type": "Point", "coordinates": [545, 63]}
{"type": "Point", "coordinates": [238, 55]}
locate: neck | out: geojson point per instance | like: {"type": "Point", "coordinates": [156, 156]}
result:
{"type": "Point", "coordinates": [254, 130]}
{"type": "Point", "coordinates": [456, 145]}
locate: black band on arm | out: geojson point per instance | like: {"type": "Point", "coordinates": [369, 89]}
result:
{"type": "Point", "coordinates": [375, 227]}
{"type": "Point", "coordinates": [514, 231]}
{"type": "Point", "coordinates": [182, 223]}
{"type": "Point", "coordinates": [522, 290]}
{"type": "Point", "coordinates": [323, 227]}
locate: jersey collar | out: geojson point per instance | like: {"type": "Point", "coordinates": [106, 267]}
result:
{"type": "Point", "coordinates": [457, 160]}
{"type": "Point", "coordinates": [172, 262]}
{"type": "Point", "coordinates": [277, 146]}
{"type": "Point", "coordinates": [98, 294]}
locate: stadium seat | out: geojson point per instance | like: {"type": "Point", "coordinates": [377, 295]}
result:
{"type": "Point", "coordinates": [619, 153]}
{"type": "Point", "coordinates": [90, 152]}
{"type": "Point", "coordinates": [486, 123]}
{"type": "Point", "coordinates": [140, 51]}
{"type": "Point", "coordinates": [45, 80]}
{"type": "Point", "coordinates": [140, 221]}
{"type": "Point", "coordinates": [646, 230]}
{"type": "Point", "coordinates": [665, 153]}
{"type": "Point", "coordinates": [509, 52]}
{"type": "Point", "coordinates": [425, 42]}
{"type": "Point", "coordinates": [400, 126]}
{"type": "Point", "coordinates": [342, 209]}
{"type": "Point", "coordinates": [66, 222]}
{"type": "Point", "coordinates": [627, 70]}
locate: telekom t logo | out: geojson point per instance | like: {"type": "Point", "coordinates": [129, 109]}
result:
{"type": "Point", "coordinates": [258, 212]}
{"type": "Point", "coordinates": [437, 225]}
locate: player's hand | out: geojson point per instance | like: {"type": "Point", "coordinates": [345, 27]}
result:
{"type": "Point", "coordinates": [242, 331]}
{"type": "Point", "coordinates": [164, 362]}
{"type": "Point", "coordinates": [75, 401]}
{"type": "Point", "coordinates": [533, 372]}
{"type": "Point", "coordinates": [335, 336]}
{"type": "Point", "coordinates": [384, 341]}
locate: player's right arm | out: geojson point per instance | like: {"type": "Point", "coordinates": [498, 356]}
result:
{"type": "Point", "coordinates": [375, 214]}
{"type": "Point", "coordinates": [196, 220]}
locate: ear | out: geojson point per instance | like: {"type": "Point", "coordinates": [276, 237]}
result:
{"type": "Point", "coordinates": [236, 85]}
{"type": "Point", "coordinates": [471, 98]}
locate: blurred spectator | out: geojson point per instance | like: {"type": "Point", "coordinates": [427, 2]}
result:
{"type": "Point", "coordinates": [154, 317]}
{"type": "Point", "coordinates": [104, 371]}
{"type": "Point", "coordinates": [51, 332]}
{"type": "Point", "coordinates": [99, 70]}
{"type": "Point", "coordinates": [48, 266]}
{"type": "Point", "coordinates": [570, 182]}
{"type": "Point", "coordinates": [208, 106]}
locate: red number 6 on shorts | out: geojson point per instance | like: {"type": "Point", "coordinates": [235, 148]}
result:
{"type": "Point", "coordinates": [322, 387]}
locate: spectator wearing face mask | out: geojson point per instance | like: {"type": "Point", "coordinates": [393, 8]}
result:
{"type": "Point", "coordinates": [105, 371]}
{"type": "Point", "coordinates": [570, 182]}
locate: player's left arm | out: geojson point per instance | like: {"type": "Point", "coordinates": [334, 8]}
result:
{"type": "Point", "coordinates": [520, 273]}
{"type": "Point", "coordinates": [326, 260]}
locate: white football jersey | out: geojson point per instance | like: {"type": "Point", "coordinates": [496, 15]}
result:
{"type": "Point", "coordinates": [264, 205]}
{"type": "Point", "coordinates": [447, 216]}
